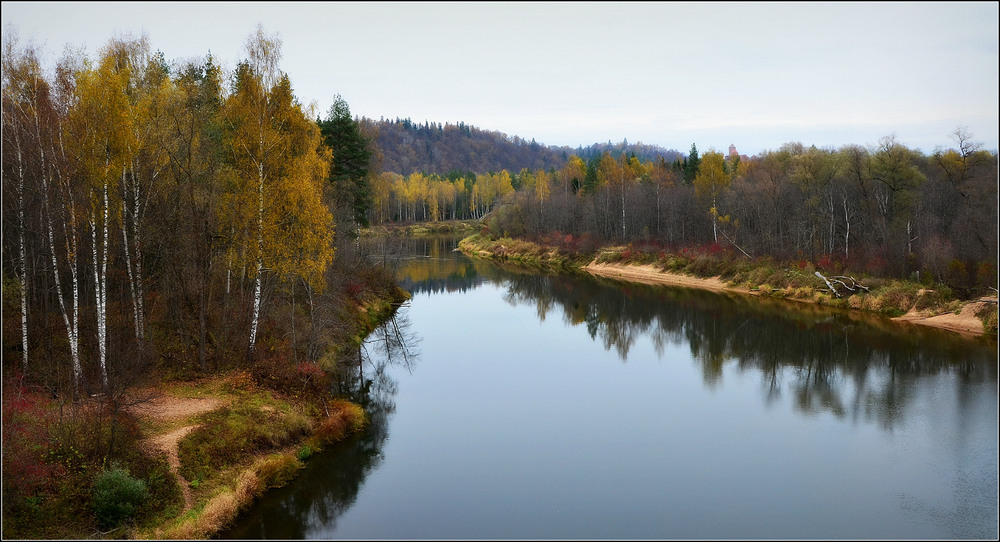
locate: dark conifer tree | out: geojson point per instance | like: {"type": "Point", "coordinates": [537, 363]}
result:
{"type": "Point", "coordinates": [691, 166]}
{"type": "Point", "coordinates": [351, 155]}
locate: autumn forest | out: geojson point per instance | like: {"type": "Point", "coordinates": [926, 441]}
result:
{"type": "Point", "coordinates": [169, 218]}
{"type": "Point", "coordinates": [174, 189]}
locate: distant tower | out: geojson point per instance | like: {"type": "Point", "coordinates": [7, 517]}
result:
{"type": "Point", "coordinates": [732, 150]}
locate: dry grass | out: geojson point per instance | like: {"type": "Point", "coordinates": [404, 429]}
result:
{"type": "Point", "coordinates": [219, 512]}
{"type": "Point", "coordinates": [248, 486]}
{"type": "Point", "coordinates": [345, 418]}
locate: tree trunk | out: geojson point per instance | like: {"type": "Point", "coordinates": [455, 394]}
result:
{"type": "Point", "coordinates": [260, 258]}
{"type": "Point", "coordinates": [847, 234]}
{"type": "Point", "coordinates": [127, 248]}
{"type": "Point", "coordinates": [71, 246]}
{"type": "Point", "coordinates": [22, 254]}
{"type": "Point", "coordinates": [100, 260]}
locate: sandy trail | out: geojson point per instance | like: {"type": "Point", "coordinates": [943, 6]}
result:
{"type": "Point", "coordinates": [166, 408]}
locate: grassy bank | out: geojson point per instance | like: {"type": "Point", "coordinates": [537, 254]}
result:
{"type": "Point", "coordinates": [273, 421]}
{"type": "Point", "coordinates": [797, 281]}
{"type": "Point", "coordinates": [543, 257]}
{"type": "Point", "coordinates": [257, 441]}
{"type": "Point", "coordinates": [177, 456]}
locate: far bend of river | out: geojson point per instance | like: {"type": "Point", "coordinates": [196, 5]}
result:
{"type": "Point", "coordinates": [506, 404]}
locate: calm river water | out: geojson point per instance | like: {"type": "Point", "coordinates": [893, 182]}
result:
{"type": "Point", "coordinates": [507, 404]}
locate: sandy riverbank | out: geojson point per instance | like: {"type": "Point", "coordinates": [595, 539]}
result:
{"type": "Point", "coordinates": [965, 322]}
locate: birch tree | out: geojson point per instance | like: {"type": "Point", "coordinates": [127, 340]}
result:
{"type": "Point", "coordinates": [709, 183]}
{"type": "Point", "coordinates": [145, 81]}
{"type": "Point", "coordinates": [273, 205]}
{"type": "Point", "coordinates": [66, 195]}
{"type": "Point", "coordinates": [97, 122]}
{"type": "Point", "coordinates": [19, 71]}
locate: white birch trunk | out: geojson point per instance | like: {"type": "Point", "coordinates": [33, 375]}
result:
{"type": "Point", "coordinates": [715, 221]}
{"type": "Point", "coordinates": [72, 255]}
{"type": "Point", "coordinates": [260, 257]}
{"type": "Point", "coordinates": [104, 294]}
{"type": "Point", "coordinates": [22, 254]}
{"type": "Point", "coordinates": [128, 258]}
{"type": "Point", "coordinates": [133, 256]}
{"type": "Point", "coordinates": [100, 260]}
{"type": "Point", "coordinates": [72, 328]}
{"type": "Point", "coordinates": [256, 308]}
{"type": "Point", "coordinates": [847, 234]}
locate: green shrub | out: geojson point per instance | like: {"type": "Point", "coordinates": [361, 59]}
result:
{"type": "Point", "coordinates": [507, 220]}
{"type": "Point", "coordinates": [117, 496]}
{"type": "Point", "coordinates": [895, 298]}
{"type": "Point", "coordinates": [305, 452]}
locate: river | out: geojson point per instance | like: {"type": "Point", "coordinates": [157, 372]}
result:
{"type": "Point", "coordinates": [509, 404]}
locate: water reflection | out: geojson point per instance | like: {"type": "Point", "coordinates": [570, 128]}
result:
{"type": "Point", "coordinates": [330, 483]}
{"type": "Point", "coordinates": [877, 396]}
{"type": "Point", "coordinates": [847, 364]}
{"type": "Point", "coordinates": [430, 264]}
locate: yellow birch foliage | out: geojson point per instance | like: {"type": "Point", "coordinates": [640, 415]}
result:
{"type": "Point", "coordinates": [712, 179]}
{"type": "Point", "coordinates": [542, 185]}
{"type": "Point", "coordinates": [273, 209]}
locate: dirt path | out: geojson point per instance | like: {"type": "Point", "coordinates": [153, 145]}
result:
{"type": "Point", "coordinates": [169, 408]}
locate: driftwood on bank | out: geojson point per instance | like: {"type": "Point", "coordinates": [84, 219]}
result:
{"type": "Point", "coordinates": [853, 287]}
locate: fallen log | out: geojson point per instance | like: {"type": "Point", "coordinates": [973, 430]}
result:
{"type": "Point", "coordinates": [854, 286]}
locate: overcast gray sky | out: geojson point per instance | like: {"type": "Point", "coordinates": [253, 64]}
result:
{"type": "Point", "coordinates": [671, 74]}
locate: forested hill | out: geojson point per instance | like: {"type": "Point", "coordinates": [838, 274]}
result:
{"type": "Point", "coordinates": [407, 147]}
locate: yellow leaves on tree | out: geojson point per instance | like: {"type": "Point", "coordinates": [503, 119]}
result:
{"type": "Point", "coordinates": [710, 182]}
{"type": "Point", "coordinates": [272, 209]}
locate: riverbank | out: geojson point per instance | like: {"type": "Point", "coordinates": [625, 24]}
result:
{"type": "Point", "coordinates": [177, 454]}
{"type": "Point", "coordinates": [906, 303]}
{"type": "Point", "coordinates": [964, 321]}
{"type": "Point", "coordinates": [189, 419]}
{"type": "Point", "coordinates": [263, 436]}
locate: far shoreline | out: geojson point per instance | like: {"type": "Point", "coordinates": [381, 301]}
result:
{"type": "Point", "coordinates": [963, 323]}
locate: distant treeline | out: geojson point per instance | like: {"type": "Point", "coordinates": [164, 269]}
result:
{"type": "Point", "coordinates": [887, 210]}
{"type": "Point", "coordinates": [433, 148]}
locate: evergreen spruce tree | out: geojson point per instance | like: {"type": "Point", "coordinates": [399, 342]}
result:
{"type": "Point", "coordinates": [590, 178]}
{"type": "Point", "coordinates": [691, 166]}
{"type": "Point", "coordinates": [351, 155]}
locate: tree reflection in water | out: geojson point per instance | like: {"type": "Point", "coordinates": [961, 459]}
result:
{"type": "Point", "coordinates": [853, 367]}
{"type": "Point", "coordinates": [329, 484]}
{"type": "Point", "coordinates": [847, 364]}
